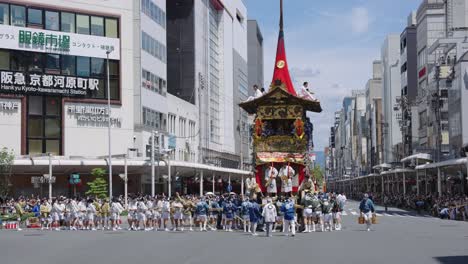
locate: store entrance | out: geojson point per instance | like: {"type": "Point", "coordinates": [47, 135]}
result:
{"type": "Point", "coordinates": [44, 125]}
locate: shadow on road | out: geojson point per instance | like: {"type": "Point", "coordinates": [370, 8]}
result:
{"type": "Point", "coordinates": [452, 259]}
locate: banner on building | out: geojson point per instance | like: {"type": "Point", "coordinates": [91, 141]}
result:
{"type": "Point", "coordinates": [47, 41]}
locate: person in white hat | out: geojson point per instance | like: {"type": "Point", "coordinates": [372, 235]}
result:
{"type": "Point", "coordinates": [269, 216]}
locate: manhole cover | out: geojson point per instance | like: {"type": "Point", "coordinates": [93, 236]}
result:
{"type": "Point", "coordinates": [33, 235]}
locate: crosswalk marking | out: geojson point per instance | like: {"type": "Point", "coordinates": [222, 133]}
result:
{"type": "Point", "coordinates": [378, 214]}
{"type": "Point", "coordinates": [353, 213]}
{"type": "Point", "coordinates": [344, 213]}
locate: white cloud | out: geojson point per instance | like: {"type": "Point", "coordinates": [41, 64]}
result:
{"type": "Point", "coordinates": [360, 20]}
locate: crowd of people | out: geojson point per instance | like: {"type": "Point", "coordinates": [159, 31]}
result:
{"type": "Point", "coordinates": [452, 207]}
{"type": "Point", "coordinates": [229, 212]}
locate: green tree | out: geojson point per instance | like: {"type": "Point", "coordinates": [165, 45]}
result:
{"type": "Point", "coordinates": [318, 174]}
{"type": "Point", "coordinates": [98, 187]}
{"type": "Point", "coordinates": [6, 164]}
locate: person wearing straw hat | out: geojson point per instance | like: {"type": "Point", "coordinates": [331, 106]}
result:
{"type": "Point", "coordinates": [367, 210]}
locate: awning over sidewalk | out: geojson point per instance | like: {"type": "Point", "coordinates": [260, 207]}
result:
{"type": "Point", "coordinates": [63, 164]}
{"type": "Point", "coordinates": [447, 163]}
{"type": "Point", "coordinates": [418, 156]}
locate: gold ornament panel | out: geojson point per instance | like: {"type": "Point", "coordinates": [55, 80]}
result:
{"type": "Point", "coordinates": [280, 112]}
{"type": "Point", "coordinates": [289, 144]}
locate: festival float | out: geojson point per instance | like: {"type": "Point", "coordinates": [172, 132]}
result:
{"type": "Point", "coordinates": [282, 132]}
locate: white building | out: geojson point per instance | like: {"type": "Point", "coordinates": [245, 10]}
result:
{"type": "Point", "coordinates": [390, 55]}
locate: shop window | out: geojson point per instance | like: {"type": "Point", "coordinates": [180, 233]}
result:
{"type": "Point", "coordinates": [44, 125]}
{"type": "Point", "coordinates": [4, 60]}
{"type": "Point", "coordinates": [18, 15]}
{"type": "Point", "coordinates": [82, 24]}
{"type": "Point", "coordinates": [52, 106]}
{"type": "Point", "coordinates": [53, 146]}
{"type": "Point", "coordinates": [82, 66]}
{"type": "Point", "coordinates": [97, 67]}
{"type": "Point", "coordinates": [97, 26]}
{"type": "Point", "coordinates": [52, 64]}
{"type": "Point", "coordinates": [34, 146]}
{"type": "Point", "coordinates": [111, 28]}
{"type": "Point", "coordinates": [35, 105]}
{"type": "Point", "coordinates": [35, 128]}
{"type": "Point", "coordinates": [18, 60]}
{"type": "Point", "coordinates": [51, 20]}
{"type": "Point", "coordinates": [37, 63]}
{"type": "Point", "coordinates": [52, 127]}
{"type": "Point", "coordinates": [4, 14]}
{"type": "Point", "coordinates": [35, 18]}
{"type": "Point", "coordinates": [68, 22]}
{"type": "Point", "coordinates": [68, 65]}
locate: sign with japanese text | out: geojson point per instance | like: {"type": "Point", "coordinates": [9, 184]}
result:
{"type": "Point", "coordinates": [92, 115]}
{"type": "Point", "coordinates": [28, 83]}
{"type": "Point", "coordinates": [47, 41]}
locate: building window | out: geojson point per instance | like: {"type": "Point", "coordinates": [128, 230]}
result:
{"type": "Point", "coordinates": [97, 26]}
{"type": "Point", "coordinates": [44, 131]}
{"type": "Point", "coordinates": [18, 15]}
{"type": "Point", "coordinates": [4, 60]}
{"type": "Point", "coordinates": [97, 67]}
{"type": "Point", "coordinates": [82, 66]}
{"type": "Point", "coordinates": [35, 18]}
{"type": "Point", "coordinates": [51, 20]}
{"type": "Point", "coordinates": [4, 14]}
{"type": "Point", "coordinates": [154, 12]}
{"type": "Point", "coordinates": [111, 28]}
{"type": "Point", "coordinates": [37, 63]}
{"type": "Point", "coordinates": [153, 82]}
{"type": "Point", "coordinates": [68, 65]}
{"type": "Point", "coordinates": [153, 47]}
{"type": "Point", "coordinates": [52, 63]}
{"type": "Point", "coordinates": [68, 22]}
{"type": "Point", "coordinates": [153, 118]}
{"type": "Point", "coordinates": [82, 24]}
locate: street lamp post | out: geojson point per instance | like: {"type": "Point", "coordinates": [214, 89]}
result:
{"type": "Point", "coordinates": [50, 176]}
{"type": "Point", "coordinates": [109, 125]}
{"type": "Point", "coordinates": [154, 135]}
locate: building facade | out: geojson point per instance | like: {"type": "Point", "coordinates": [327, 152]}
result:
{"type": "Point", "coordinates": [391, 92]}
{"type": "Point", "coordinates": [54, 72]}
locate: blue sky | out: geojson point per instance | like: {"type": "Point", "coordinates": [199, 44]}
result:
{"type": "Point", "coordinates": [331, 44]}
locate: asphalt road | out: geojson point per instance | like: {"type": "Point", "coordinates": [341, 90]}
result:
{"type": "Point", "coordinates": [400, 237]}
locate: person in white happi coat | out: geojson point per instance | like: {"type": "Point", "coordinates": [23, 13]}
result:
{"type": "Point", "coordinates": [149, 214]}
{"type": "Point", "coordinates": [306, 93]}
{"type": "Point", "coordinates": [177, 208]}
{"type": "Point", "coordinates": [115, 210]}
{"type": "Point", "coordinates": [90, 214]}
{"type": "Point", "coordinates": [141, 214]}
{"type": "Point", "coordinates": [270, 178]}
{"type": "Point", "coordinates": [81, 213]}
{"type": "Point", "coordinates": [269, 216]}
{"type": "Point", "coordinates": [165, 213]}
{"type": "Point", "coordinates": [57, 212]}
{"type": "Point", "coordinates": [286, 173]}
{"type": "Point", "coordinates": [132, 213]}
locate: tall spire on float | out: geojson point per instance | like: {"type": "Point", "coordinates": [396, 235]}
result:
{"type": "Point", "coordinates": [281, 71]}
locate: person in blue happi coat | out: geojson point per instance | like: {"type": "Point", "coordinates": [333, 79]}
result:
{"type": "Point", "coordinates": [255, 215]}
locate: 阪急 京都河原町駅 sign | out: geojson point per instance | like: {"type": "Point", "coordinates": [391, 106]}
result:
{"type": "Point", "coordinates": [32, 83]}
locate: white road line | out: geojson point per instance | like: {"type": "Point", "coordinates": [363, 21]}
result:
{"type": "Point", "coordinates": [378, 214]}
{"type": "Point", "coordinates": [344, 213]}
{"type": "Point", "coordinates": [354, 213]}
{"type": "Point", "coordinates": [399, 215]}
{"type": "Point", "coordinates": [387, 214]}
